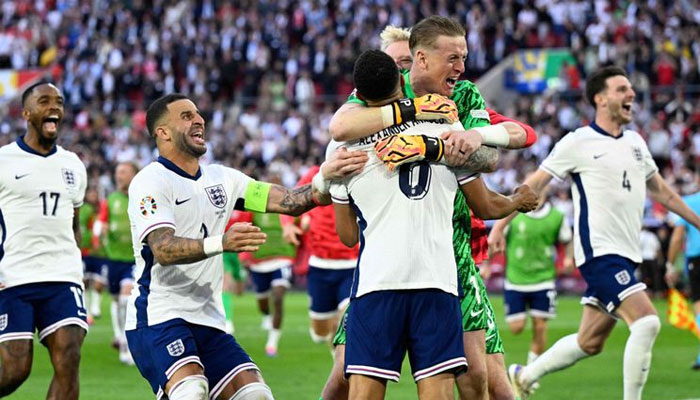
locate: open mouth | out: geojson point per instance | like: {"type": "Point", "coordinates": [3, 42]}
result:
{"type": "Point", "coordinates": [198, 137]}
{"type": "Point", "coordinates": [627, 107]}
{"type": "Point", "coordinates": [50, 123]}
{"type": "Point", "coordinates": [451, 82]}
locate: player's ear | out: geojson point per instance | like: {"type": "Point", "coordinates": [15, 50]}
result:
{"type": "Point", "coordinates": [163, 133]}
{"type": "Point", "coordinates": [419, 58]}
{"type": "Point", "coordinates": [25, 114]}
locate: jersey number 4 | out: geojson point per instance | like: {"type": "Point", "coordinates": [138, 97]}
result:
{"type": "Point", "coordinates": [626, 182]}
{"type": "Point", "coordinates": [47, 199]}
{"type": "Point", "coordinates": [414, 179]}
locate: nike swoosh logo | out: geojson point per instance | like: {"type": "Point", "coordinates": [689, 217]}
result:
{"type": "Point", "coordinates": [595, 157]}
{"type": "Point", "coordinates": [474, 314]}
{"type": "Point", "coordinates": [178, 202]}
{"type": "Point", "coordinates": [20, 176]}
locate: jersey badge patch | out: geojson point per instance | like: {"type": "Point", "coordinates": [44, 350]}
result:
{"type": "Point", "coordinates": [217, 195]}
{"type": "Point", "coordinates": [482, 114]}
{"type": "Point", "coordinates": [622, 277]}
{"type": "Point", "coordinates": [68, 177]}
{"type": "Point", "coordinates": [148, 206]}
{"type": "Point", "coordinates": [176, 348]}
{"type": "Point", "coordinates": [637, 151]}
{"type": "Point", "coordinates": [3, 322]}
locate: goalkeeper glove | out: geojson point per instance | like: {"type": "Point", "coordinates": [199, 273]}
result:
{"type": "Point", "coordinates": [428, 107]}
{"type": "Point", "coordinates": [401, 149]}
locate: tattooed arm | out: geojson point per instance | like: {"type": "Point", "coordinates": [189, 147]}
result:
{"type": "Point", "coordinates": [169, 249]}
{"type": "Point", "coordinates": [484, 159]}
{"type": "Point", "coordinates": [295, 201]}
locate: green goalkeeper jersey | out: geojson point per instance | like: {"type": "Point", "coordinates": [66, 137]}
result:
{"type": "Point", "coordinates": [472, 113]}
{"type": "Point", "coordinates": [118, 244]}
{"type": "Point", "coordinates": [530, 244]}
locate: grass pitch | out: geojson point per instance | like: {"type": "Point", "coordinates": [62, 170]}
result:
{"type": "Point", "coordinates": [301, 368]}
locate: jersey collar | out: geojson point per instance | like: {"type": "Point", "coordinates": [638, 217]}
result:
{"type": "Point", "coordinates": [604, 132]}
{"type": "Point", "coordinates": [171, 166]}
{"type": "Point", "coordinates": [24, 146]}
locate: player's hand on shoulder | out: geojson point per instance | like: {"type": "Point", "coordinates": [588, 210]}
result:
{"type": "Point", "coordinates": [434, 106]}
{"type": "Point", "coordinates": [343, 163]}
{"type": "Point", "coordinates": [459, 145]}
{"type": "Point", "coordinates": [243, 236]}
{"type": "Point", "coordinates": [527, 198]}
{"type": "Point", "coordinates": [400, 149]}
{"type": "Point", "coordinates": [291, 233]}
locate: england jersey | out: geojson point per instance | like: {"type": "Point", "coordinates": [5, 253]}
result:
{"type": "Point", "coordinates": [163, 195]}
{"type": "Point", "coordinates": [609, 175]}
{"type": "Point", "coordinates": [405, 217]}
{"type": "Point", "coordinates": [38, 195]}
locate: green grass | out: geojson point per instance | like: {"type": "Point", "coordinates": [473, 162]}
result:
{"type": "Point", "coordinates": [302, 367]}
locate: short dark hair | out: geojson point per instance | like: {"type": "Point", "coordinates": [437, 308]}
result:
{"type": "Point", "coordinates": [596, 81]}
{"type": "Point", "coordinates": [28, 91]}
{"type": "Point", "coordinates": [426, 32]}
{"type": "Point", "coordinates": [158, 108]}
{"type": "Point", "coordinates": [135, 167]}
{"type": "Point", "coordinates": [375, 75]}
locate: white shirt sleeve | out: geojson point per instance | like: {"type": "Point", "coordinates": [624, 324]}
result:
{"type": "Point", "coordinates": [565, 234]}
{"type": "Point", "coordinates": [561, 161]}
{"type": "Point", "coordinates": [650, 167]}
{"type": "Point", "coordinates": [239, 184]}
{"type": "Point", "coordinates": [150, 204]}
{"type": "Point", "coordinates": [339, 192]}
{"type": "Point", "coordinates": [82, 187]}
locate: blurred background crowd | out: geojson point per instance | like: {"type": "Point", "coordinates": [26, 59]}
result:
{"type": "Point", "coordinates": [268, 75]}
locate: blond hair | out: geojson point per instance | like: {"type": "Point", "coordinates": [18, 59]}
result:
{"type": "Point", "coordinates": [392, 34]}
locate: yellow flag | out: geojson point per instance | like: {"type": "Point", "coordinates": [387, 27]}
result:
{"type": "Point", "coordinates": [679, 314]}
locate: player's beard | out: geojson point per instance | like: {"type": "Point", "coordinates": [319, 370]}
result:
{"type": "Point", "coordinates": [618, 115]}
{"type": "Point", "coordinates": [45, 139]}
{"type": "Point", "coordinates": [182, 143]}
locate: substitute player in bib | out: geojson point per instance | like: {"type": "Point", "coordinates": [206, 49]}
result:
{"type": "Point", "coordinates": [440, 50]}
{"type": "Point", "coordinates": [612, 171]}
{"type": "Point", "coordinates": [41, 188]}
{"type": "Point", "coordinates": [178, 211]}
{"type": "Point", "coordinates": [530, 271]}
{"type": "Point", "coordinates": [686, 232]}
{"type": "Point", "coordinates": [115, 230]}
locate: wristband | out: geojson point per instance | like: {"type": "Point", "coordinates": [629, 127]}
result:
{"type": "Point", "coordinates": [398, 112]}
{"type": "Point", "coordinates": [213, 245]}
{"type": "Point", "coordinates": [321, 184]}
{"type": "Point", "coordinates": [434, 148]}
{"type": "Point", "coordinates": [494, 135]}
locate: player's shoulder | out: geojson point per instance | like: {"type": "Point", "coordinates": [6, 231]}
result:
{"type": "Point", "coordinates": [332, 146]}
{"type": "Point", "coordinates": [70, 156]}
{"type": "Point", "coordinates": [8, 149]}
{"type": "Point", "coordinates": [465, 89]}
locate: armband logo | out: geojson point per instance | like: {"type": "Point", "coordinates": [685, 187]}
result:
{"type": "Point", "coordinates": [481, 114]}
{"type": "Point", "coordinates": [217, 195]}
{"type": "Point", "coordinates": [3, 322]}
{"type": "Point", "coordinates": [148, 206]}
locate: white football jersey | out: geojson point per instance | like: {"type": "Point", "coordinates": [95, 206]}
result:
{"type": "Point", "coordinates": [610, 176]}
{"type": "Point", "coordinates": [163, 195]}
{"type": "Point", "coordinates": [405, 217]}
{"type": "Point", "coordinates": [38, 195]}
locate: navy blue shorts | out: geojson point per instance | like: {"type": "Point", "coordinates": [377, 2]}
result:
{"type": "Point", "coordinates": [44, 306]}
{"type": "Point", "coordinates": [329, 291]}
{"type": "Point", "coordinates": [119, 273]}
{"type": "Point", "coordinates": [541, 304]}
{"type": "Point", "coordinates": [160, 350]}
{"type": "Point", "coordinates": [263, 281]}
{"type": "Point", "coordinates": [610, 280]}
{"type": "Point", "coordinates": [95, 268]}
{"type": "Point", "coordinates": [382, 326]}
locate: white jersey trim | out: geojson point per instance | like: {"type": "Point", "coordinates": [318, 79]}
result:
{"type": "Point", "coordinates": [328, 263]}
{"type": "Point", "coordinates": [547, 285]}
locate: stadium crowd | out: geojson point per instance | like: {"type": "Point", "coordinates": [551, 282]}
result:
{"type": "Point", "coordinates": [269, 74]}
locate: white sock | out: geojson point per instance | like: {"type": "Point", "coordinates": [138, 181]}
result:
{"type": "Point", "coordinates": [273, 338]}
{"type": "Point", "coordinates": [121, 311]}
{"type": "Point", "coordinates": [637, 358]}
{"type": "Point", "coordinates": [564, 353]}
{"type": "Point", "coordinates": [94, 302]}
{"type": "Point", "coordinates": [531, 357]}
{"type": "Point", "coordinates": [114, 313]}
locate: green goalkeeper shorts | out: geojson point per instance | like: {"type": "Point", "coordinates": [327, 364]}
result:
{"type": "Point", "coordinates": [477, 312]}
{"type": "Point", "coordinates": [339, 337]}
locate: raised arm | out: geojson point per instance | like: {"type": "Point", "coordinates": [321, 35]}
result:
{"type": "Point", "coordinates": [660, 192]}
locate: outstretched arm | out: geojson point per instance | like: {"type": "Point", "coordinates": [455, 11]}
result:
{"type": "Point", "coordinates": [488, 204]}
{"type": "Point", "coordinates": [660, 192]}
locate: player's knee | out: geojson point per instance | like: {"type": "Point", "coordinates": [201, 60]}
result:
{"type": "Point", "coordinates": [592, 347]}
{"type": "Point", "coordinates": [14, 375]}
{"type": "Point", "coordinates": [253, 391]}
{"type": "Point", "coordinates": [317, 338]}
{"type": "Point", "coordinates": [193, 387]}
{"type": "Point", "coordinates": [516, 327]}
{"type": "Point", "coordinates": [648, 326]}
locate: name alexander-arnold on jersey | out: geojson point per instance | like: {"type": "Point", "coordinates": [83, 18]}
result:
{"type": "Point", "coordinates": [395, 130]}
